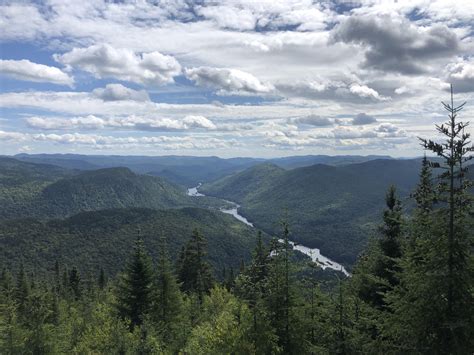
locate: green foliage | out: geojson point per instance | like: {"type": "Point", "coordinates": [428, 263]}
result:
{"type": "Point", "coordinates": [331, 208]}
{"type": "Point", "coordinates": [168, 304]}
{"type": "Point", "coordinates": [194, 272]}
{"type": "Point", "coordinates": [135, 287]}
{"type": "Point", "coordinates": [432, 308]}
{"type": "Point", "coordinates": [102, 239]}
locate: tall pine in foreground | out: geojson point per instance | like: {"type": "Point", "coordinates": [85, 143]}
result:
{"type": "Point", "coordinates": [433, 305]}
{"type": "Point", "coordinates": [135, 287]}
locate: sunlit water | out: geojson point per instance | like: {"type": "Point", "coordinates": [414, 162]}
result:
{"type": "Point", "coordinates": [313, 253]}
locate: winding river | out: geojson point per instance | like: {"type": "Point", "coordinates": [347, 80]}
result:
{"type": "Point", "coordinates": [314, 253]}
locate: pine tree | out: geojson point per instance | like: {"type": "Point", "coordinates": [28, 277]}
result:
{"type": "Point", "coordinates": [194, 271]}
{"type": "Point", "coordinates": [135, 287]}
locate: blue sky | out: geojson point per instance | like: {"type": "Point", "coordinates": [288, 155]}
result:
{"type": "Point", "coordinates": [231, 78]}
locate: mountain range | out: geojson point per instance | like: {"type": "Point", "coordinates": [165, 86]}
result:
{"type": "Point", "coordinates": [334, 208]}
{"type": "Point", "coordinates": [185, 170]}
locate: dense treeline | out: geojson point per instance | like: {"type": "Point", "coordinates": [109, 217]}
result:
{"type": "Point", "coordinates": [103, 239]}
{"type": "Point", "coordinates": [411, 292]}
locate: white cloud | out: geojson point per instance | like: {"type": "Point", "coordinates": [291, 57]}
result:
{"type": "Point", "coordinates": [365, 91]}
{"type": "Point", "coordinates": [92, 122]}
{"type": "Point", "coordinates": [461, 75]}
{"type": "Point", "coordinates": [29, 71]}
{"type": "Point", "coordinates": [228, 80]}
{"type": "Point", "coordinates": [105, 61]}
{"type": "Point", "coordinates": [118, 92]}
{"type": "Point", "coordinates": [112, 142]}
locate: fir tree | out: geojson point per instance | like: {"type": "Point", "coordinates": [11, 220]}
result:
{"type": "Point", "coordinates": [194, 271]}
{"type": "Point", "coordinates": [74, 283]}
{"type": "Point", "coordinates": [433, 307]}
{"type": "Point", "coordinates": [168, 301]}
{"type": "Point", "coordinates": [135, 287]}
{"type": "Point", "coordinates": [390, 241]}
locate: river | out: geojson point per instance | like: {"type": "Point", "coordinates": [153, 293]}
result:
{"type": "Point", "coordinates": [314, 253]}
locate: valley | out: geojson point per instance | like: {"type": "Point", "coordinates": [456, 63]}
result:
{"type": "Point", "coordinates": [313, 253]}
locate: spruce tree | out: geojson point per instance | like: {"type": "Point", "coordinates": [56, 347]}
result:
{"type": "Point", "coordinates": [194, 271]}
{"type": "Point", "coordinates": [281, 298]}
{"type": "Point", "coordinates": [391, 239]}
{"type": "Point", "coordinates": [135, 286]}
{"type": "Point", "coordinates": [168, 301]}
{"type": "Point", "coordinates": [75, 284]}
{"type": "Point", "coordinates": [433, 306]}
{"type": "Point", "coordinates": [251, 284]}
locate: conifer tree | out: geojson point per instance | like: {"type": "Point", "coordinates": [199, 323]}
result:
{"type": "Point", "coordinates": [135, 287]}
{"type": "Point", "coordinates": [282, 299]}
{"type": "Point", "coordinates": [194, 271]}
{"type": "Point", "coordinates": [433, 306]}
{"type": "Point", "coordinates": [376, 270]}
{"type": "Point", "coordinates": [75, 286]}
{"type": "Point", "coordinates": [168, 301]}
{"type": "Point", "coordinates": [22, 293]}
{"type": "Point", "coordinates": [251, 286]}
{"type": "Point", "coordinates": [391, 239]}
{"type": "Point", "coordinates": [101, 282]}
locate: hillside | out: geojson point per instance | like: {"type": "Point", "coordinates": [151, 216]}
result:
{"type": "Point", "coordinates": [110, 188]}
{"type": "Point", "coordinates": [48, 191]}
{"type": "Point", "coordinates": [332, 208]}
{"type": "Point", "coordinates": [104, 238]}
{"type": "Point", "coordinates": [186, 170]}
{"type": "Point", "coordinates": [21, 182]}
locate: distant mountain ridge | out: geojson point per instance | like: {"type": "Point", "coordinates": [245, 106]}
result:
{"type": "Point", "coordinates": [48, 191]}
{"type": "Point", "coordinates": [185, 170]}
{"type": "Point", "coordinates": [335, 208]}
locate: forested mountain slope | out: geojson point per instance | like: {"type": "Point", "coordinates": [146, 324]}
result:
{"type": "Point", "coordinates": [186, 170]}
{"type": "Point", "coordinates": [48, 191]}
{"type": "Point", "coordinates": [333, 208]}
{"type": "Point", "coordinates": [91, 240]}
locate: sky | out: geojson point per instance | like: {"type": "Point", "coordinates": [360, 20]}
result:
{"type": "Point", "coordinates": [261, 78]}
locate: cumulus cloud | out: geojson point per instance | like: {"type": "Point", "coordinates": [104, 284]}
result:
{"type": "Point", "coordinates": [365, 91]}
{"type": "Point", "coordinates": [363, 119]}
{"type": "Point", "coordinates": [118, 92]}
{"type": "Point", "coordinates": [312, 120]}
{"type": "Point", "coordinates": [29, 71]}
{"type": "Point", "coordinates": [397, 46]}
{"type": "Point", "coordinates": [461, 75]}
{"type": "Point", "coordinates": [228, 80]}
{"type": "Point", "coordinates": [110, 142]}
{"type": "Point", "coordinates": [92, 122]}
{"type": "Point", "coordinates": [105, 61]}
{"type": "Point", "coordinates": [331, 90]}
